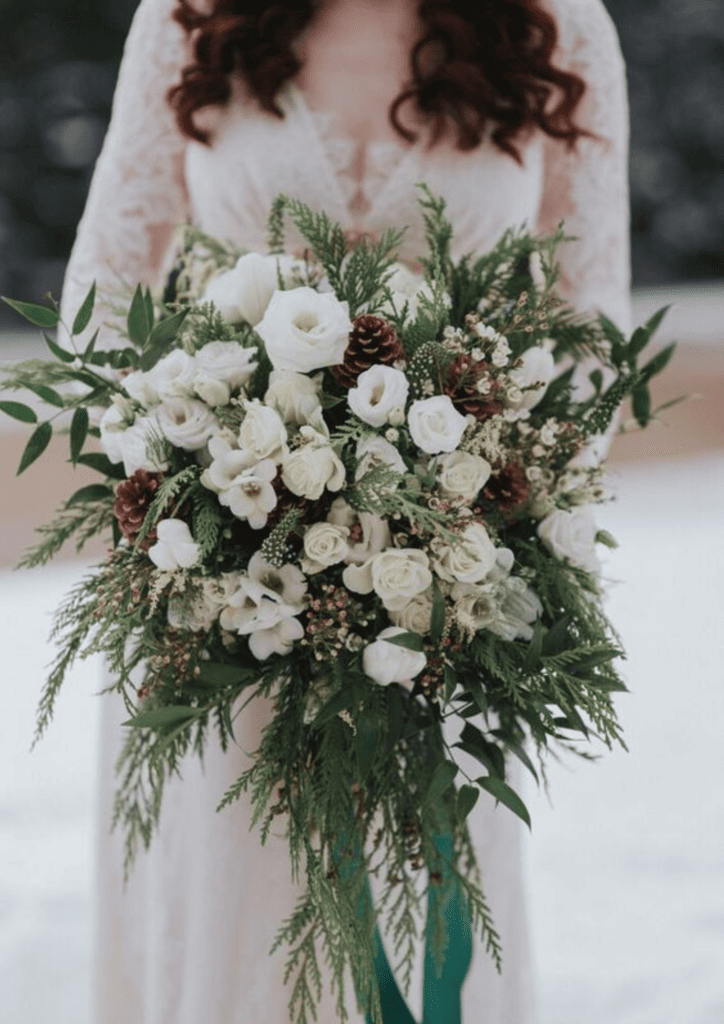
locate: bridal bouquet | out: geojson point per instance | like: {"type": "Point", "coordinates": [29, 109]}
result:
{"type": "Point", "coordinates": [366, 495]}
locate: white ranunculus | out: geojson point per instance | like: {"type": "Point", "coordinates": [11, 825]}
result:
{"type": "Point", "coordinates": [262, 432]}
{"type": "Point", "coordinates": [211, 390]}
{"type": "Point", "coordinates": [186, 423]}
{"type": "Point", "coordinates": [532, 377]}
{"type": "Point", "coordinates": [387, 663]}
{"type": "Point", "coordinates": [243, 293]}
{"type": "Point", "coordinates": [379, 391]}
{"type": "Point", "coordinates": [227, 361]}
{"type": "Point", "coordinates": [435, 424]}
{"type": "Point", "coordinates": [571, 536]}
{"type": "Point", "coordinates": [462, 475]}
{"type": "Point", "coordinates": [294, 395]}
{"type": "Point", "coordinates": [175, 547]}
{"type": "Point", "coordinates": [140, 388]}
{"type": "Point", "coordinates": [416, 615]}
{"type": "Point", "coordinates": [324, 545]}
{"type": "Point", "coordinates": [467, 561]}
{"type": "Point", "coordinates": [368, 533]}
{"type": "Point", "coordinates": [304, 331]}
{"type": "Point", "coordinates": [173, 375]}
{"type": "Point", "coordinates": [396, 576]}
{"type": "Point", "coordinates": [313, 467]}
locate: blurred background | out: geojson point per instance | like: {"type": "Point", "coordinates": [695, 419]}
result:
{"type": "Point", "coordinates": [625, 870]}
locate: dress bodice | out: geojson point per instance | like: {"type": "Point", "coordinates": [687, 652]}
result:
{"type": "Point", "coordinates": [254, 157]}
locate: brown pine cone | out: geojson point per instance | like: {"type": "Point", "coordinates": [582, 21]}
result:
{"type": "Point", "coordinates": [508, 488]}
{"type": "Point", "coordinates": [462, 387]}
{"type": "Point", "coordinates": [372, 341]}
{"type": "Point", "coordinates": [133, 498]}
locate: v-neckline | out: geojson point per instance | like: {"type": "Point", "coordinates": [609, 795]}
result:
{"type": "Point", "coordinates": [313, 117]}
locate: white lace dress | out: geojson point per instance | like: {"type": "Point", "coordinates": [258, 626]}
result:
{"type": "Point", "coordinates": [187, 940]}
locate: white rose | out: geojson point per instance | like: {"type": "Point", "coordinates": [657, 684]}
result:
{"type": "Point", "coordinates": [227, 361]}
{"type": "Point", "coordinates": [368, 533]}
{"type": "Point", "coordinates": [243, 293]}
{"type": "Point", "coordinates": [324, 545]}
{"type": "Point", "coordinates": [462, 475]}
{"type": "Point", "coordinates": [435, 424]}
{"type": "Point", "coordinates": [379, 391]}
{"type": "Point", "coordinates": [387, 663]}
{"type": "Point", "coordinates": [304, 330]}
{"type": "Point", "coordinates": [211, 390]}
{"type": "Point", "coordinates": [262, 432]}
{"type": "Point", "coordinates": [313, 467]}
{"type": "Point", "coordinates": [469, 560]}
{"type": "Point", "coordinates": [186, 423]}
{"type": "Point", "coordinates": [173, 376]}
{"type": "Point", "coordinates": [416, 615]}
{"type": "Point", "coordinates": [396, 576]}
{"type": "Point", "coordinates": [571, 536]}
{"type": "Point", "coordinates": [294, 395]}
{"type": "Point", "coordinates": [535, 373]}
{"type": "Point", "coordinates": [175, 547]}
{"type": "Point", "coordinates": [140, 388]}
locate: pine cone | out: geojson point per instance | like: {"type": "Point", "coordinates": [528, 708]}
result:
{"type": "Point", "coordinates": [133, 498]}
{"type": "Point", "coordinates": [372, 341]}
{"type": "Point", "coordinates": [508, 488]}
{"type": "Point", "coordinates": [462, 387]}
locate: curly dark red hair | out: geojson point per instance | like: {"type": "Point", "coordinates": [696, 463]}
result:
{"type": "Point", "coordinates": [489, 67]}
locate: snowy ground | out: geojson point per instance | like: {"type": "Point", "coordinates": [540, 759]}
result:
{"type": "Point", "coordinates": [626, 870]}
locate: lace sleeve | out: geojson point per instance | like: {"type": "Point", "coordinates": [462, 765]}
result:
{"type": "Point", "coordinates": [138, 192]}
{"type": "Point", "coordinates": [588, 188]}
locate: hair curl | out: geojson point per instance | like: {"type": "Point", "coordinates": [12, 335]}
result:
{"type": "Point", "coordinates": [489, 68]}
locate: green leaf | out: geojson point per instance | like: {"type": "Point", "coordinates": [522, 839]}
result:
{"type": "Point", "coordinates": [216, 674]}
{"type": "Point", "coordinates": [520, 752]}
{"type": "Point", "coordinates": [93, 492]}
{"type": "Point", "coordinates": [488, 754]}
{"type": "Point", "coordinates": [465, 801]}
{"type": "Point", "coordinates": [409, 640]}
{"type": "Point", "coordinates": [437, 617]}
{"type": "Point", "coordinates": [340, 701]}
{"type": "Point", "coordinates": [39, 441]}
{"type": "Point", "coordinates": [58, 351]}
{"type": "Point", "coordinates": [78, 432]}
{"type": "Point", "coordinates": [556, 635]}
{"type": "Point", "coordinates": [639, 340]}
{"type": "Point", "coordinates": [451, 681]}
{"type": "Point", "coordinates": [535, 648]}
{"type": "Point", "coordinates": [654, 322]}
{"type": "Point", "coordinates": [596, 659]}
{"type": "Point", "coordinates": [41, 316]}
{"type": "Point", "coordinates": [167, 330]}
{"type": "Point", "coordinates": [102, 464]}
{"type": "Point", "coordinates": [19, 411]}
{"type": "Point", "coordinates": [84, 314]}
{"type": "Point", "coordinates": [161, 717]}
{"type": "Point", "coordinates": [367, 742]}
{"type": "Point", "coordinates": [49, 395]}
{"type": "Point", "coordinates": [641, 405]}
{"type": "Point", "coordinates": [596, 378]}
{"type": "Point", "coordinates": [90, 350]}
{"type": "Point", "coordinates": [148, 300]}
{"type": "Point", "coordinates": [441, 782]}
{"type": "Point", "coordinates": [611, 331]}
{"type": "Point", "coordinates": [505, 795]}
{"type": "Point", "coordinates": [658, 363]}
{"type": "Point", "coordinates": [138, 323]}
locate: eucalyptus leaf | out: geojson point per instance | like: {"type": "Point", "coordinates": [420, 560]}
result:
{"type": "Point", "coordinates": [40, 316]}
{"type": "Point", "coordinates": [18, 411]}
{"type": "Point", "coordinates": [102, 464]}
{"type": "Point", "coordinates": [39, 441]}
{"type": "Point", "coordinates": [48, 394]}
{"type": "Point", "coordinates": [465, 801]}
{"type": "Point", "coordinates": [553, 641]}
{"type": "Point", "coordinates": [58, 351]}
{"type": "Point", "coordinates": [505, 795]}
{"type": "Point", "coordinates": [138, 323]}
{"type": "Point", "coordinates": [441, 782]}
{"type": "Point", "coordinates": [167, 330]}
{"type": "Point", "coordinates": [84, 314]}
{"type": "Point", "coordinates": [367, 740]}
{"type": "Point", "coordinates": [78, 432]}
{"type": "Point", "coordinates": [90, 350]}
{"type": "Point", "coordinates": [93, 492]}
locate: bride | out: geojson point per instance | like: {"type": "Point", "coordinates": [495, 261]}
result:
{"type": "Point", "coordinates": [516, 113]}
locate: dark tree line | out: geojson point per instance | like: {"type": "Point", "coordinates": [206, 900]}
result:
{"type": "Point", "coordinates": [60, 61]}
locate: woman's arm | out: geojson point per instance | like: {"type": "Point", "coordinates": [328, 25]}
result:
{"type": "Point", "coordinates": [138, 192]}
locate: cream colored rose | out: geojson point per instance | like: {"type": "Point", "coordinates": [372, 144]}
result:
{"type": "Point", "coordinates": [324, 545]}
{"type": "Point", "coordinates": [313, 467]}
{"type": "Point", "coordinates": [469, 560]}
{"type": "Point", "coordinates": [435, 424]}
{"type": "Point", "coordinates": [379, 391]}
{"type": "Point", "coordinates": [173, 376]}
{"type": "Point", "coordinates": [396, 576]}
{"type": "Point", "coordinates": [462, 475]}
{"type": "Point", "coordinates": [295, 396]}
{"type": "Point", "coordinates": [186, 423]}
{"type": "Point", "coordinates": [262, 432]}
{"type": "Point", "coordinates": [368, 533]}
{"type": "Point", "coordinates": [228, 362]}
{"type": "Point", "coordinates": [416, 615]}
{"type": "Point", "coordinates": [304, 331]}
{"type": "Point", "coordinates": [387, 663]}
{"type": "Point", "coordinates": [571, 536]}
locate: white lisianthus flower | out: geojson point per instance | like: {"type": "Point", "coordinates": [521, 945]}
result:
{"type": "Point", "coordinates": [313, 467]}
{"type": "Point", "coordinates": [368, 533]}
{"type": "Point", "coordinates": [243, 293]}
{"type": "Point", "coordinates": [173, 375]}
{"type": "Point", "coordinates": [262, 432]}
{"type": "Point", "coordinates": [396, 576]}
{"type": "Point", "coordinates": [379, 391]}
{"type": "Point", "coordinates": [287, 582]}
{"type": "Point", "coordinates": [571, 537]}
{"type": "Point", "coordinates": [462, 475]}
{"type": "Point", "coordinates": [295, 396]}
{"type": "Point", "coordinates": [532, 377]}
{"type": "Point", "coordinates": [186, 423]}
{"type": "Point", "coordinates": [305, 331]}
{"type": "Point", "coordinates": [140, 388]}
{"type": "Point", "coordinates": [175, 547]}
{"type": "Point", "coordinates": [435, 424]}
{"type": "Point", "coordinates": [467, 561]}
{"type": "Point", "coordinates": [324, 545]}
{"type": "Point", "coordinates": [387, 663]}
{"type": "Point", "coordinates": [228, 362]}
{"type": "Point", "coordinates": [416, 615]}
